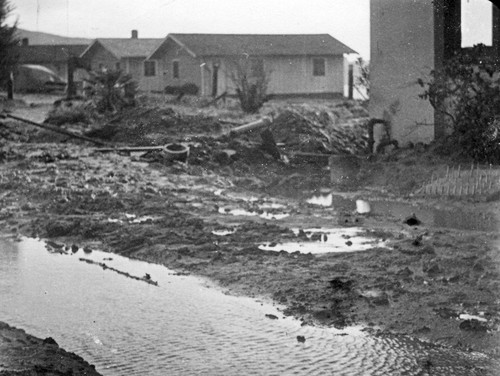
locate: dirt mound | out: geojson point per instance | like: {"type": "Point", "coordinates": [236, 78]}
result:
{"type": "Point", "coordinates": [153, 126]}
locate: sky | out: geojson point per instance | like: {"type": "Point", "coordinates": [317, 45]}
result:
{"type": "Point", "coordinates": [345, 20]}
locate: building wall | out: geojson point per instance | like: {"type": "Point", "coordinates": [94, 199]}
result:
{"type": "Point", "coordinates": [189, 69]}
{"type": "Point", "coordinates": [289, 75]}
{"type": "Point", "coordinates": [294, 75]}
{"type": "Point", "coordinates": [402, 51]}
{"type": "Point", "coordinates": [100, 57]}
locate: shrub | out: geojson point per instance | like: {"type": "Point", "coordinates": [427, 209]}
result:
{"type": "Point", "coordinates": [111, 90]}
{"type": "Point", "coordinates": [250, 79]}
{"type": "Point", "coordinates": [466, 90]}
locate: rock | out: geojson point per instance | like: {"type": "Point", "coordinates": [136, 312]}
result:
{"type": "Point", "coordinates": [412, 220]}
{"type": "Point", "coordinates": [271, 316]}
{"type": "Point", "coordinates": [74, 248]}
{"type": "Point", "coordinates": [301, 339]}
{"type": "Point", "coordinates": [363, 207]}
{"type": "Point", "coordinates": [473, 326]}
{"type": "Point", "coordinates": [50, 341]}
{"type": "Point", "coordinates": [54, 245]}
{"type": "Point", "coordinates": [348, 243]}
{"type": "Point", "coordinates": [338, 284]}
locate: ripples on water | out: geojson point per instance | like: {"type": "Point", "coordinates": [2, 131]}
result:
{"type": "Point", "coordinates": [184, 327]}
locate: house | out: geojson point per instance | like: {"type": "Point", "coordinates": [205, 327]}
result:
{"type": "Point", "coordinates": [409, 39]}
{"type": "Point", "coordinates": [294, 64]}
{"type": "Point", "coordinates": [127, 54]}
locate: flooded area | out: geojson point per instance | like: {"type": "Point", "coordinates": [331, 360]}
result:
{"type": "Point", "coordinates": [453, 218]}
{"type": "Point", "coordinates": [186, 326]}
{"type": "Point", "coordinates": [321, 240]}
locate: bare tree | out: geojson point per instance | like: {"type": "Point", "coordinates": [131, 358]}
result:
{"type": "Point", "coordinates": [250, 80]}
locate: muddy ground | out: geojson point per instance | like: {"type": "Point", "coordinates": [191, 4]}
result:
{"type": "Point", "coordinates": [146, 206]}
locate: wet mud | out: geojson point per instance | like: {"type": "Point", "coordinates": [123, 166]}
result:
{"type": "Point", "coordinates": [192, 217]}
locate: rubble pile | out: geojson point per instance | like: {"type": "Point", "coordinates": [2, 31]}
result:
{"type": "Point", "coordinates": [311, 131]}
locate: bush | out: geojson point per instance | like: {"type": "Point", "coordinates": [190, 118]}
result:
{"type": "Point", "coordinates": [250, 79]}
{"type": "Point", "coordinates": [68, 112]}
{"type": "Point", "coordinates": [467, 92]}
{"type": "Point", "coordinates": [186, 89]}
{"type": "Point", "coordinates": [111, 90]}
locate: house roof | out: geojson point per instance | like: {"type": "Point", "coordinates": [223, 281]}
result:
{"type": "Point", "coordinates": [257, 44]}
{"type": "Point", "coordinates": [41, 54]}
{"type": "Point", "coordinates": [126, 47]}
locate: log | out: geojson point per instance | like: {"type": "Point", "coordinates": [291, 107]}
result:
{"type": "Point", "coordinates": [54, 129]}
{"type": "Point", "coordinates": [130, 148]}
{"type": "Point", "coordinates": [264, 122]}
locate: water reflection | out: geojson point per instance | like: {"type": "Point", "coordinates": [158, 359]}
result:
{"type": "Point", "coordinates": [448, 218]}
{"type": "Point", "coordinates": [183, 327]}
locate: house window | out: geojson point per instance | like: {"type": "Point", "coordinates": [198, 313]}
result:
{"type": "Point", "coordinates": [117, 66]}
{"type": "Point", "coordinates": [175, 69]}
{"type": "Point", "coordinates": [319, 67]}
{"type": "Point", "coordinates": [149, 68]}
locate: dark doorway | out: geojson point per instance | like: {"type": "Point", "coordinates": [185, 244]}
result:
{"type": "Point", "coordinates": [215, 79]}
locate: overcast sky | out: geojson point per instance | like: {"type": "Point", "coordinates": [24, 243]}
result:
{"type": "Point", "coordinates": [346, 20]}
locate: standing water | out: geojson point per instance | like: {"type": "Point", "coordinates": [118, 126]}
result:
{"type": "Point", "coordinates": [125, 326]}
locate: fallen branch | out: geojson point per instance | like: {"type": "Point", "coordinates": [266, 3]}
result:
{"type": "Point", "coordinates": [130, 149]}
{"type": "Point", "coordinates": [54, 129]}
{"type": "Point", "coordinates": [264, 122]}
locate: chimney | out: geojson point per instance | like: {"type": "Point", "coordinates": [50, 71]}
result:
{"type": "Point", "coordinates": [135, 34]}
{"type": "Point", "coordinates": [25, 42]}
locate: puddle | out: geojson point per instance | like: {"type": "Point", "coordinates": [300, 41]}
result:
{"type": "Point", "coordinates": [182, 326]}
{"type": "Point", "coordinates": [223, 232]}
{"type": "Point", "coordinates": [326, 241]}
{"type": "Point", "coordinates": [246, 213]}
{"type": "Point", "coordinates": [448, 218]}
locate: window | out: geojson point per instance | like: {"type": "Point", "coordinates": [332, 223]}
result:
{"type": "Point", "coordinates": [175, 69]}
{"type": "Point", "coordinates": [318, 67]}
{"type": "Point", "coordinates": [149, 68]}
{"type": "Point", "coordinates": [117, 66]}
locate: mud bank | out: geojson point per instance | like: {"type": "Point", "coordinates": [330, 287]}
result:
{"type": "Point", "coordinates": [210, 216]}
{"type": "Point", "coordinates": [23, 354]}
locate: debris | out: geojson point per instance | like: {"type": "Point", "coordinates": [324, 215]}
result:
{"type": "Point", "coordinates": [266, 121]}
{"type": "Point", "coordinates": [363, 207]}
{"type": "Point", "coordinates": [271, 316]}
{"type": "Point", "coordinates": [301, 339]}
{"type": "Point", "coordinates": [412, 220]}
{"type": "Point", "coordinates": [54, 129]}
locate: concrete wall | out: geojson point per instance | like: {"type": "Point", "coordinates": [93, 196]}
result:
{"type": "Point", "coordinates": [402, 51]}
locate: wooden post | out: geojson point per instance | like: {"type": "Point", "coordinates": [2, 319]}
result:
{"type": "Point", "coordinates": [10, 86]}
{"type": "Point", "coordinates": [71, 90]}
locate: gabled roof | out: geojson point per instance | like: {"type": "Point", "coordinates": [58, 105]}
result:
{"type": "Point", "coordinates": [200, 45]}
{"type": "Point", "coordinates": [126, 47]}
{"type": "Point", "coordinates": [41, 54]}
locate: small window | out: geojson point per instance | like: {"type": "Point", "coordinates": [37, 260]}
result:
{"type": "Point", "coordinates": [117, 66]}
{"type": "Point", "coordinates": [318, 67]}
{"type": "Point", "coordinates": [149, 68]}
{"type": "Point", "coordinates": [175, 69]}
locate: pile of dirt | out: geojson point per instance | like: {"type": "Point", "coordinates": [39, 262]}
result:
{"type": "Point", "coordinates": [152, 126]}
{"type": "Point", "coordinates": [310, 131]}
{"type": "Point", "coordinates": [23, 354]}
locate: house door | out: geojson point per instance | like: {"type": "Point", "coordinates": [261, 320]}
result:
{"type": "Point", "coordinates": [215, 79]}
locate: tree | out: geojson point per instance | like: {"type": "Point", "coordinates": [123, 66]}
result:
{"type": "Point", "coordinates": [466, 91]}
{"type": "Point", "coordinates": [250, 79]}
{"type": "Point", "coordinates": [8, 44]}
